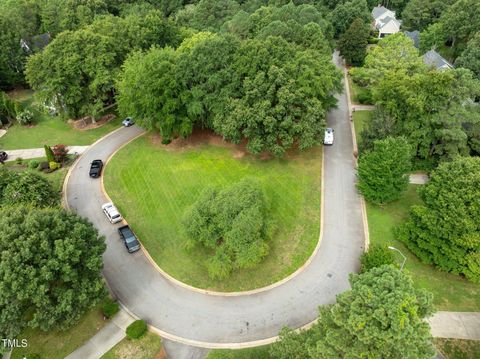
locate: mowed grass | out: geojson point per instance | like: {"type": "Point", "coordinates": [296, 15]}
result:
{"type": "Point", "coordinates": [360, 120]}
{"type": "Point", "coordinates": [153, 187]}
{"type": "Point", "coordinates": [458, 348]}
{"type": "Point", "coordinates": [451, 292]}
{"type": "Point", "coordinates": [49, 130]}
{"type": "Point", "coordinates": [58, 344]}
{"type": "Point", "coordinates": [146, 347]}
{"type": "Point", "coordinates": [250, 353]}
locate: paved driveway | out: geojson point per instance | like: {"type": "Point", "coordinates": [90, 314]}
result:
{"type": "Point", "coordinates": [202, 319]}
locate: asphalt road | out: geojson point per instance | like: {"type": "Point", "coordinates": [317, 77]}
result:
{"type": "Point", "coordinates": [212, 319]}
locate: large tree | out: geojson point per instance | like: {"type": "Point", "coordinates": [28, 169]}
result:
{"type": "Point", "coordinates": [419, 14]}
{"type": "Point", "coordinates": [445, 229]}
{"type": "Point", "coordinates": [49, 269]}
{"type": "Point", "coordinates": [232, 223]}
{"type": "Point", "coordinates": [383, 172]}
{"type": "Point", "coordinates": [344, 14]}
{"type": "Point", "coordinates": [382, 316]}
{"type": "Point", "coordinates": [207, 14]}
{"type": "Point", "coordinates": [353, 43]}
{"type": "Point", "coordinates": [27, 188]}
{"type": "Point", "coordinates": [470, 58]}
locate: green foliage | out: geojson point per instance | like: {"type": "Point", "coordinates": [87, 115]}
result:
{"type": "Point", "coordinates": [63, 253]}
{"type": "Point", "coordinates": [27, 188]}
{"type": "Point", "coordinates": [19, 160]}
{"type": "Point", "coordinates": [49, 153]}
{"type": "Point", "coordinates": [137, 329]}
{"type": "Point", "coordinates": [25, 118]}
{"type": "Point", "coordinates": [353, 43]}
{"type": "Point", "coordinates": [8, 109]}
{"type": "Point", "coordinates": [445, 230]}
{"type": "Point", "coordinates": [376, 256]}
{"type": "Point", "coordinates": [470, 58]}
{"type": "Point", "coordinates": [207, 14]}
{"type": "Point", "coordinates": [232, 223]}
{"type": "Point", "coordinates": [110, 307]}
{"type": "Point", "coordinates": [419, 14]}
{"type": "Point", "coordinates": [346, 13]}
{"type": "Point", "coordinates": [383, 172]}
{"type": "Point", "coordinates": [267, 91]}
{"type": "Point", "coordinates": [381, 316]}
{"type": "Point", "coordinates": [33, 164]}
{"type": "Point", "coordinates": [54, 165]}
{"type": "Point", "coordinates": [60, 152]}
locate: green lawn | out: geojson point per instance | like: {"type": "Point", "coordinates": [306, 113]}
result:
{"type": "Point", "coordinates": [360, 118]}
{"type": "Point", "coordinates": [451, 292]}
{"type": "Point", "coordinates": [49, 130]}
{"type": "Point", "coordinates": [153, 186]}
{"type": "Point", "coordinates": [458, 349]}
{"type": "Point", "coordinates": [58, 344]}
{"type": "Point", "coordinates": [251, 353]}
{"type": "Point", "coordinates": [147, 347]}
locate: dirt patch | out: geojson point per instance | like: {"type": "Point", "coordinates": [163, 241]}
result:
{"type": "Point", "coordinates": [161, 354]}
{"type": "Point", "coordinates": [86, 123]}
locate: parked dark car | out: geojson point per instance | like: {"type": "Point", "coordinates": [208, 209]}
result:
{"type": "Point", "coordinates": [131, 242]}
{"type": "Point", "coordinates": [128, 122]}
{"type": "Point", "coordinates": [96, 168]}
{"type": "Point", "coordinates": [3, 156]}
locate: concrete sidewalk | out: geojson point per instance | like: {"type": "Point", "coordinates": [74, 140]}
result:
{"type": "Point", "coordinates": [458, 325]}
{"type": "Point", "coordinates": [363, 108]}
{"type": "Point", "coordinates": [418, 178]}
{"type": "Point", "coordinates": [39, 152]}
{"type": "Point", "coordinates": [105, 339]}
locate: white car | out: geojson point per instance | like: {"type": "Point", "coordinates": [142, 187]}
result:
{"type": "Point", "coordinates": [111, 212]}
{"type": "Point", "coordinates": [328, 139]}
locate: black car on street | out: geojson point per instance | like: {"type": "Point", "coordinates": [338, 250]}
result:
{"type": "Point", "coordinates": [96, 168]}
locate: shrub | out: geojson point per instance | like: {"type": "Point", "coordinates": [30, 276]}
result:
{"type": "Point", "coordinates": [373, 40]}
{"type": "Point", "coordinates": [110, 308]}
{"type": "Point", "coordinates": [19, 160]}
{"type": "Point", "coordinates": [33, 164]}
{"type": "Point", "coordinates": [54, 165]}
{"type": "Point", "coordinates": [29, 188]}
{"type": "Point", "coordinates": [376, 256]}
{"type": "Point", "coordinates": [25, 117]}
{"type": "Point", "coordinates": [49, 154]}
{"type": "Point", "coordinates": [365, 97]}
{"type": "Point", "coordinates": [60, 152]}
{"type": "Point", "coordinates": [136, 329]}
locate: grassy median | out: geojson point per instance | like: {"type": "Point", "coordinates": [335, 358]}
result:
{"type": "Point", "coordinates": [153, 185]}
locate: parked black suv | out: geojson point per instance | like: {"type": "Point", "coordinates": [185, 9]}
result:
{"type": "Point", "coordinates": [96, 168]}
{"type": "Point", "coordinates": [3, 156]}
{"type": "Point", "coordinates": [131, 242]}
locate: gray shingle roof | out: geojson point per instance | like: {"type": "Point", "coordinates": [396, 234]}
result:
{"type": "Point", "coordinates": [378, 11]}
{"type": "Point", "coordinates": [433, 58]}
{"type": "Point", "coordinates": [415, 36]}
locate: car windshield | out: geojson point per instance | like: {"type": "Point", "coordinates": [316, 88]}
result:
{"type": "Point", "coordinates": [116, 216]}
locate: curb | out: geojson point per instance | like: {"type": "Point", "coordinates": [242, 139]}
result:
{"type": "Point", "coordinates": [229, 294]}
{"type": "Point", "coordinates": [363, 205]}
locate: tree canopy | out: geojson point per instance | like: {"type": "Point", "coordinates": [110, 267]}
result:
{"type": "Point", "coordinates": [353, 43]}
{"type": "Point", "coordinates": [383, 173]}
{"type": "Point", "coordinates": [445, 229]}
{"type": "Point", "coordinates": [49, 269]}
{"type": "Point", "coordinates": [232, 223]}
{"type": "Point", "coordinates": [381, 316]}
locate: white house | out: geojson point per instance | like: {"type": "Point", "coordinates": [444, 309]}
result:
{"type": "Point", "coordinates": [385, 21]}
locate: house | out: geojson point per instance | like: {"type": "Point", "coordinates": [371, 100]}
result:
{"type": "Point", "coordinates": [385, 21]}
{"type": "Point", "coordinates": [415, 36]}
{"type": "Point", "coordinates": [35, 43]}
{"type": "Point", "coordinates": [434, 59]}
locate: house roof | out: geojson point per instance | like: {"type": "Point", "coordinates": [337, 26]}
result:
{"type": "Point", "coordinates": [384, 22]}
{"type": "Point", "coordinates": [37, 42]}
{"type": "Point", "coordinates": [415, 36]}
{"type": "Point", "coordinates": [433, 58]}
{"type": "Point", "coordinates": [379, 11]}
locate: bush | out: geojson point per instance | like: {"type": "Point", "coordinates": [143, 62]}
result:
{"type": "Point", "coordinates": [25, 118]}
{"type": "Point", "coordinates": [373, 40]}
{"type": "Point", "coordinates": [19, 160]}
{"type": "Point", "coordinates": [110, 308]}
{"type": "Point", "coordinates": [60, 153]}
{"type": "Point", "coordinates": [29, 188]}
{"type": "Point", "coordinates": [136, 329]}
{"type": "Point", "coordinates": [365, 97]}
{"type": "Point", "coordinates": [54, 165]}
{"type": "Point", "coordinates": [33, 164]}
{"type": "Point", "coordinates": [49, 154]}
{"type": "Point", "coordinates": [376, 257]}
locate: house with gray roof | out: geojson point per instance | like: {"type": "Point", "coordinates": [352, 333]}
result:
{"type": "Point", "coordinates": [415, 36]}
{"type": "Point", "coordinates": [385, 21]}
{"type": "Point", "coordinates": [434, 59]}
